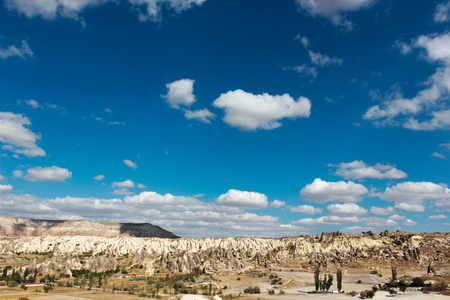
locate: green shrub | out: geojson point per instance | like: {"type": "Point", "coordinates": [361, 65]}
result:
{"type": "Point", "coordinates": [13, 284]}
{"type": "Point", "coordinates": [359, 281]}
{"type": "Point", "coordinates": [23, 287]}
{"type": "Point", "coordinates": [252, 290]}
{"type": "Point", "coordinates": [370, 294]}
{"type": "Point", "coordinates": [281, 292]}
{"type": "Point", "coordinates": [271, 292]}
{"type": "Point", "coordinates": [417, 282]}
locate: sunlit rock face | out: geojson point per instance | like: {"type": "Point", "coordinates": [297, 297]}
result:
{"type": "Point", "coordinates": [213, 255]}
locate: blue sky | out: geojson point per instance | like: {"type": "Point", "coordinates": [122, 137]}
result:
{"type": "Point", "coordinates": [226, 118]}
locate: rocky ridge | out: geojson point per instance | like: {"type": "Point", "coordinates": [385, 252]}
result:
{"type": "Point", "coordinates": [10, 226]}
{"type": "Point", "coordinates": [213, 255]}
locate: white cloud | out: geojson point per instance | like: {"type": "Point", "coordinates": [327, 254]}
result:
{"type": "Point", "coordinates": [321, 191]}
{"type": "Point", "coordinates": [411, 207]}
{"type": "Point", "coordinates": [149, 10]}
{"type": "Point", "coordinates": [445, 146]}
{"type": "Point", "coordinates": [99, 177]}
{"type": "Point", "coordinates": [2, 178]}
{"type": "Point", "coordinates": [180, 93]}
{"type": "Point", "coordinates": [141, 186]}
{"type": "Point", "coordinates": [438, 155]}
{"type": "Point", "coordinates": [383, 211]}
{"type": "Point", "coordinates": [124, 184]}
{"type": "Point", "coordinates": [409, 222]}
{"type": "Point", "coordinates": [17, 173]}
{"type": "Point", "coordinates": [185, 216]}
{"type": "Point", "coordinates": [277, 203]}
{"type": "Point", "coordinates": [108, 110]}
{"type": "Point", "coordinates": [438, 217]}
{"type": "Point", "coordinates": [122, 192]}
{"type": "Point", "coordinates": [305, 209]}
{"type": "Point", "coordinates": [397, 217]}
{"type": "Point", "coordinates": [305, 70]}
{"type": "Point", "coordinates": [428, 110]}
{"type": "Point", "coordinates": [16, 137]}
{"type": "Point", "coordinates": [242, 199]}
{"type": "Point", "coordinates": [303, 39]}
{"type": "Point", "coordinates": [53, 173]}
{"type": "Point", "coordinates": [204, 115]}
{"type": "Point", "coordinates": [442, 13]}
{"type": "Point", "coordinates": [33, 103]}
{"type": "Point", "coordinates": [130, 164]}
{"type": "Point", "coordinates": [326, 220]}
{"type": "Point", "coordinates": [250, 112]}
{"type": "Point", "coordinates": [378, 222]}
{"type": "Point", "coordinates": [5, 189]}
{"type": "Point", "coordinates": [415, 192]}
{"type": "Point", "coordinates": [334, 10]}
{"type": "Point", "coordinates": [348, 209]}
{"type": "Point", "coordinates": [323, 60]}
{"type": "Point", "coordinates": [22, 51]}
{"type": "Point", "coordinates": [360, 170]}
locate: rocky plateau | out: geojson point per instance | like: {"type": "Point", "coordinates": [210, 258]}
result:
{"type": "Point", "coordinates": [60, 251]}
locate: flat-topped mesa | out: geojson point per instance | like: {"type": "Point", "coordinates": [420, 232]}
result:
{"type": "Point", "coordinates": [10, 226]}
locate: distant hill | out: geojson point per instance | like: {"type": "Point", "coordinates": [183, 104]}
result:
{"type": "Point", "coordinates": [10, 226]}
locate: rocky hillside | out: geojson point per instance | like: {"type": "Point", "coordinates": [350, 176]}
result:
{"type": "Point", "coordinates": [213, 255]}
{"type": "Point", "coordinates": [30, 227]}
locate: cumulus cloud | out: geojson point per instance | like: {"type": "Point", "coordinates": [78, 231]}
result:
{"type": "Point", "coordinates": [247, 111]}
{"type": "Point", "coordinates": [348, 209]}
{"type": "Point", "coordinates": [130, 164]}
{"type": "Point", "coordinates": [326, 220]}
{"type": "Point", "coordinates": [437, 217]}
{"type": "Point", "coordinates": [383, 211]}
{"type": "Point", "coordinates": [333, 10]}
{"type": "Point", "coordinates": [185, 216]}
{"type": "Point", "coordinates": [243, 199]}
{"type": "Point", "coordinates": [277, 203]}
{"type": "Point", "coordinates": [409, 222]}
{"type": "Point", "coordinates": [99, 177]}
{"type": "Point", "coordinates": [442, 13]}
{"type": "Point", "coordinates": [53, 173]}
{"type": "Point", "coordinates": [122, 192]}
{"type": "Point", "coordinates": [17, 137]}
{"type": "Point", "coordinates": [5, 189]}
{"type": "Point", "coordinates": [17, 173]}
{"type": "Point", "coordinates": [124, 184]}
{"type": "Point", "coordinates": [397, 217]}
{"type": "Point", "coordinates": [428, 110]}
{"type": "Point", "coordinates": [412, 196]}
{"type": "Point", "coordinates": [411, 207]}
{"type": "Point", "coordinates": [23, 51]}
{"type": "Point", "coordinates": [180, 93]}
{"type": "Point", "coordinates": [378, 222]}
{"type": "Point", "coordinates": [415, 192]}
{"type": "Point", "coordinates": [204, 115]}
{"type": "Point", "coordinates": [149, 10]}
{"type": "Point", "coordinates": [361, 170]}
{"type": "Point", "coordinates": [321, 191]}
{"type": "Point", "coordinates": [306, 209]}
